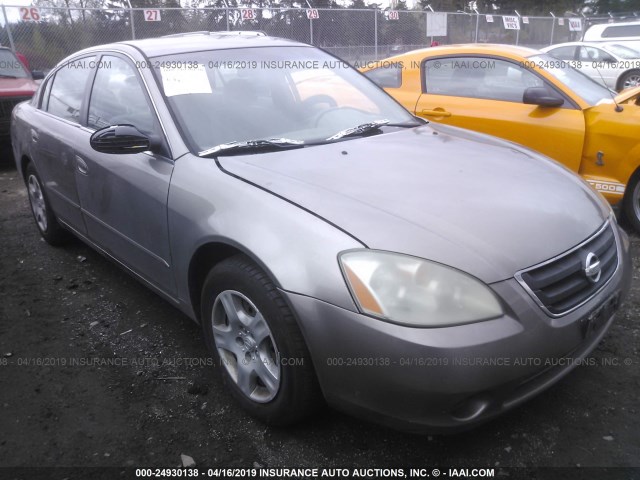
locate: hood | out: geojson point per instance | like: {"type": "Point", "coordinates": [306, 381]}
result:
{"type": "Point", "coordinates": [628, 94]}
{"type": "Point", "coordinates": [467, 200]}
{"type": "Point", "coordinates": [14, 87]}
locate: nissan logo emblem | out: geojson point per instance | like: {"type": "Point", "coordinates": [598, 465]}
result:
{"type": "Point", "coordinates": [592, 268]}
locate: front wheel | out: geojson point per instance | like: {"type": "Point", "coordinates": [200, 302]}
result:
{"type": "Point", "coordinates": [43, 214]}
{"type": "Point", "coordinates": [265, 361]}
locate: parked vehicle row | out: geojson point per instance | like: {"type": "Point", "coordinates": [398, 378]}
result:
{"type": "Point", "coordinates": [627, 32]}
{"type": "Point", "coordinates": [333, 246]}
{"type": "Point", "coordinates": [530, 98]}
{"type": "Point", "coordinates": [614, 65]}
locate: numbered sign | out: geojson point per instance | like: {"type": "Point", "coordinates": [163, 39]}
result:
{"type": "Point", "coordinates": [436, 24]}
{"type": "Point", "coordinates": [489, 18]}
{"type": "Point", "coordinates": [511, 22]}
{"type": "Point", "coordinates": [393, 15]}
{"type": "Point", "coordinates": [30, 14]}
{"type": "Point", "coordinates": [151, 15]}
{"type": "Point", "coordinates": [575, 24]}
{"type": "Point", "coordinates": [312, 14]}
{"type": "Point", "coordinates": [561, 21]}
{"type": "Point", "coordinates": [248, 14]}
{"type": "Point", "coordinates": [525, 20]}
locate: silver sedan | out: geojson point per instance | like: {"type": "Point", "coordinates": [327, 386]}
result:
{"type": "Point", "coordinates": [332, 246]}
{"type": "Point", "coordinates": [614, 65]}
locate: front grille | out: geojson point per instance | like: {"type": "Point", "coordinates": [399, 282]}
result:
{"type": "Point", "coordinates": [561, 285]}
{"type": "Point", "coordinates": [6, 106]}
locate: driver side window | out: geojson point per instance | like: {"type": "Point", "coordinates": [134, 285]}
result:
{"type": "Point", "coordinates": [119, 98]}
{"type": "Point", "coordinates": [479, 77]}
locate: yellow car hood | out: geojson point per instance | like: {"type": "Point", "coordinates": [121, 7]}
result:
{"type": "Point", "coordinates": [628, 95]}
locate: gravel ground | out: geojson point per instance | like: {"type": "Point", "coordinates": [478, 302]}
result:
{"type": "Point", "coordinates": [71, 303]}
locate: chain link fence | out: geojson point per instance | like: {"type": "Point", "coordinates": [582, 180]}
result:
{"type": "Point", "coordinates": [45, 35]}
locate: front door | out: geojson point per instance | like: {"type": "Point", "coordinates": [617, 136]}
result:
{"type": "Point", "coordinates": [124, 197]}
{"type": "Point", "coordinates": [485, 94]}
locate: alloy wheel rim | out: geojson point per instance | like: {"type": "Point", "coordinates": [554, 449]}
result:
{"type": "Point", "coordinates": [246, 346]}
{"type": "Point", "coordinates": [632, 81]}
{"type": "Point", "coordinates": [38, 206]}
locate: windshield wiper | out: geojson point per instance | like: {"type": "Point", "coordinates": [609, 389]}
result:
{"type": "Point", "coordinates": [254, 145]}
{"type": "Point", "coordinates": [359, 129]}
{"type": "Point", "coordinates": [3, 75]}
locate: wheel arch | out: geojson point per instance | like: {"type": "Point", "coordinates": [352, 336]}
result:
{"type": "Point", "coordinates": [207, 256]}
{"type": "Point", "coordinates": [24, 161]}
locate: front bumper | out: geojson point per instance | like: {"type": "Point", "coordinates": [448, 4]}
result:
{"type": "Point", "coordinates": [453, 378]}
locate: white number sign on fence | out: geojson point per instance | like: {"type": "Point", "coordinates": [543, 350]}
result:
{"type": "Point", "coordinates": [436, 24]}
{"type": "Point", "coordinates": [511, 22]}
{"type": "Point", "coordinates": [29, 14]}
{"type": "Point", "coordinates": [312, 14]}
{"type": "Point", "coordinates": [151, 15]}
{"type": "Point", "coordinates": [248, 14]}
{"type": "Point", "coordinates": [489, 18]}
{"type": "Point", "coordinates": [393, 15]}
{"type": "Point", "coordinates": [575, 24]}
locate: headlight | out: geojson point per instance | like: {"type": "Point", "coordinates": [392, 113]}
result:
{"type": "Point", "coordinates": [416, 292]}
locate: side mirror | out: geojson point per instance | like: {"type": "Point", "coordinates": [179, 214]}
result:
{"type": "Point", "coordinates": [37, 74]}
{"type": "Point", "coordinates": [121, 139]}
{"type": "Point", "coordinates": [542, 97]}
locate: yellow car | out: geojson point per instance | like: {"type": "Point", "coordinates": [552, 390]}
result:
{"type": "Point", "coordinates": [532, 99]}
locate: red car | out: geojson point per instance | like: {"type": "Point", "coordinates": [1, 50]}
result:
{"type": "Point", "coordinates": [16, 85]}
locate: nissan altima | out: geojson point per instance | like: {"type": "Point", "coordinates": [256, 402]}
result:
{"type": "Point", "coordinates": [333, 247]}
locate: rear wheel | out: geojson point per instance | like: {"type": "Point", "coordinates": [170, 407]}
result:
{"type": "Point", "coordinates": [629, 79]}
{"type": "Point", "coordinates": [43, 214]}
{"type": "Point", "coordinates": [264, 358]}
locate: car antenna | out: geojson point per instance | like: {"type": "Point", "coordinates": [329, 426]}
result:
{"type": "Point", "coordinates": [619, 107]}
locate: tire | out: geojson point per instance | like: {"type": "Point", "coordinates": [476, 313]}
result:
{"type": "Point", "coordinates": [247, 324]}
{"type": "Point", "coordinates": [629, 79]}
{"type": "Point", "coordinates": [631, 205]}
{"type": "Point", "coordinates": [43, 214]}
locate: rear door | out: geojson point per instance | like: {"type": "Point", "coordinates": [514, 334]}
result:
{"type": "Point", "coordinates": [124, 197]}
{"type": "Point", "coordinates": [55, 134]}
{"type": "Point", "coordinates": [485, 94]}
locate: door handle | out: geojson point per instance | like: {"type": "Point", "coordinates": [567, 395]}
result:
{"type": "Point", "coordinates": [435, 113]}
{"type": "Point", "coordinates": [81, 165]}
{"type": "Point", "coordinates": [34, 136]}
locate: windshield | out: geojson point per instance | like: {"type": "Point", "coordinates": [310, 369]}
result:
{"type": "Point", "coordinates": [589, 90]}
{"type": "Point", "coordinates": [10, 66]}
{"type": "Point", "coordinates": [623, 52]}
{"type": "Point", "coordinates": [286, 93]}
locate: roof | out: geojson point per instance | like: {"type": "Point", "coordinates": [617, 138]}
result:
{"type": "Point", "coordinates": [487, 48]}
{"type": "Point", "coordinates": [154, 47]}
{"type": "Point", "coordinates": [510, 51]}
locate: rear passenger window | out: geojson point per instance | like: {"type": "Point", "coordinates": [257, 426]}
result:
{"type": "Point", "coordinates": [67, 90]}
{"type": "Point", "coordinates": [591, 54]}
{"type": "Point", "coordinates": [45, 95]}
{"type": "Point", "coordinates": [621, 31]}
{"type": "Point", "coordinates": [118, 97]}
{"type": "Point", "coordinates": [387, 76]}
{"type": "Point", "coordinates": [564, 53]}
